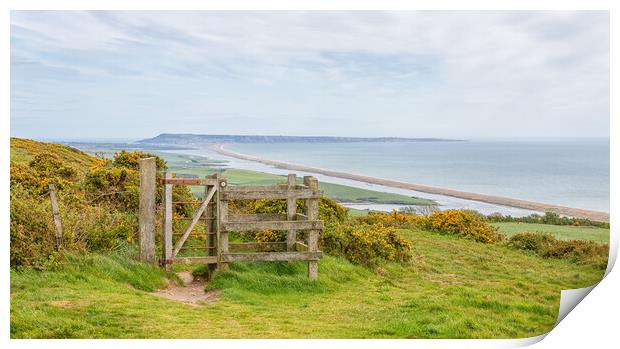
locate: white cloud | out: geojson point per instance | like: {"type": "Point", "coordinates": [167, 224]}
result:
{"type": "Point", "coordinates": [466, 70]}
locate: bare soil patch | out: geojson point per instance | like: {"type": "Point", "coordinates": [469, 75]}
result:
{"type": "Point", "coordinates": [192, 292]}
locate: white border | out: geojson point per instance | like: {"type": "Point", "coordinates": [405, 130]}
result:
{"type": "Point", "coordinates": [595, 321]}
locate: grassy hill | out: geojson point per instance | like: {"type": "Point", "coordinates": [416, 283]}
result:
{"type": "Point", "coordinates": [24, 150]}
{"type": "Point", "coordinates": [453, 288]}
{"type": "Point", "coordinates": [449, 286]}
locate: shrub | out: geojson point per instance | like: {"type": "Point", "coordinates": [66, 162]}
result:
{"type": "Point", "coordinates": [549, 218]}
{"type": "Point", "coordinates": [98, 199]}
{"type": "Point", "coordinates": [465, 224]}
{"type": "Point", "coordinates": [130, 160]}
{"type": "Point", "coordinates": [394, 219]}
{"type": "Point", "coordinates": [534, 242]}
{"type": "Point", "coordinates": [547, 246]}
{"type": "Point", "coordinates": [85, 228]}
{"type": "Point", "coordinates": [270, 236]}
{"type": "Point", "coordinates": [366, 244]}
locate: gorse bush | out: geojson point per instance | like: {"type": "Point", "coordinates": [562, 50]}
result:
{"type": "Point", "coordinates": [98, 200]}
{"type": "Point", "coordinates": [467, 224]}
{"type": "Point", "coordinates": [463, 223]}
{"type": "Point", "coordinates": [394, 219]}
{"type": "Point", "coordinates": [366, 244]}
{"type": "Point", "coordinates": [547, 246]}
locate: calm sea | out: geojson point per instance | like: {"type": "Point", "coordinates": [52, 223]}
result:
{"type": "Point", "coordinates": [572, 173]}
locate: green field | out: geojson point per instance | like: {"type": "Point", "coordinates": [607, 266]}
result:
{"type": "Point", "coordinates": [193, 165]}
{"type": "Point", "coordinates": [453, 288]}
{"type": "Point", "coordinates": [565, 232]}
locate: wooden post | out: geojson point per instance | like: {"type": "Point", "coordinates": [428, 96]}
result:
{"type": "Point", "coordinates": [291, 210]}
{"type": "Point", "coordinates": [56, 214]}
{"type": "Point", "coordinates": [146, 233]}
{"type": "Point", "coordinates": [312, 207]}
{"type": "Point", "coordinates": [211, 227]}
{"type": "Point", "coordinates": [167, 224]}
{"type": "Point", "coordinates": [223, 234]}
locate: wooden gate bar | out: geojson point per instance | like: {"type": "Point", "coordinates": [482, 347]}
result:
{"type": "Point", "coordinates": [202, 259]}
{"type": "Point", "coordinates": [273, 256]}
{"type": "Point", "coordinates": [275, 194]}
{"type": "Point", "coordinates": [195, 219]}
{"type": "Point", "coordinates": [210, 181]}
{"type": "Point", "coordinates": [254, 217]}
{"type": "Point", "coordinates": [272, 225]}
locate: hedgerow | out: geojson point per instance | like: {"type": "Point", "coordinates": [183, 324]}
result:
{"type": "Point", "coordinates": [547, 246]}
{"type": "Point", "coordinates": [549, 218]}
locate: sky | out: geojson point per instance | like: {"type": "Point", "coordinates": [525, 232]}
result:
{"type": "Point", "coordinates": [133, 75]}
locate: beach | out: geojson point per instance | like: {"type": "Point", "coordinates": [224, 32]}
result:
{"type": "Point", "coordinates": [479, 197]}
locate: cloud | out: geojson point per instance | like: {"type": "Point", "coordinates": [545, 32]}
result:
{"type": "Point", "coordinates": [435, 72]}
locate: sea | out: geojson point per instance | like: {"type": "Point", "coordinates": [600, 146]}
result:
{"type": "Point", "coordinates": [568, 172]}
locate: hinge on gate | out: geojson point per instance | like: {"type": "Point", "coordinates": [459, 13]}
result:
{"type": "Point", "coordinates": [163, 262]}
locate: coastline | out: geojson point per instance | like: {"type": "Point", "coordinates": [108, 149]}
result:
{"type": "Point", "coordinates": [492, 199]}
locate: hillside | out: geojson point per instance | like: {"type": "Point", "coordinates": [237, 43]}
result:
{"type": "Point", "coordinates": [24, 150]}
{"type": "Point", "coordinates": [454, 288]}
{"type": "Point", "coordinates": [447, 275]}
{"type": "Point", "coordinates": [188, 138]}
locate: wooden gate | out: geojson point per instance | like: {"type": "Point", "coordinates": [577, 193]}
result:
{"type": "Point", "coordinates": [213, 211]}
{"type": "Point", "coordinates": [205, 210]}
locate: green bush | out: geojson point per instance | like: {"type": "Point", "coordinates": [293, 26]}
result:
{"type": "Point", "coordinates": [366, 244]}
{"type": "Point", "coordinates": [547, 246]}
{"type": "Point", "coordinates": [534, 242]}
{"type": "Point", "coordinates": [549, 218]}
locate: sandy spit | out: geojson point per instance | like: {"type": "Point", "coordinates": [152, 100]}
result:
{"type": "Point", "coordinates": [498, 200]}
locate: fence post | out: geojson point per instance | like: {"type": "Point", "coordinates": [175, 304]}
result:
{"type": "Point", "coordinates": [211, 225]}
{"type": "Point", "coordinates": [223, 234]}
{"type": "Point", "coordinates": [146, 218]}
{"type": "Point", "coordinates": [56, 214]}
{"type": "Point", "coordinates": [291, 210]}
{"type": "Point", "coordinates": [312, 211]}
{"type": "Point", "coordinates": [167, 224]}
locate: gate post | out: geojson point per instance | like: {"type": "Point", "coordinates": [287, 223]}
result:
{"type": "Point", "coordinates": [291, 210]}
{"type": "Point", "coordinates": [312, 211]}
{"type": "Point", "coordinates": [222, 234]}
{"type": "Point", "coordinates": [146, 218]}
{"type": "Point", "coordinates": [167, 224]}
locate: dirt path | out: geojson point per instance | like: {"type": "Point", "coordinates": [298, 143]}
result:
{"type": "Point", "coordinates": [492, 199]}
{"type": "Point", "coordinates": [192, 293]}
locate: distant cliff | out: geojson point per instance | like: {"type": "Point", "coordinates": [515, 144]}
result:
{"type": "Point", "coordinates": [186, 138]}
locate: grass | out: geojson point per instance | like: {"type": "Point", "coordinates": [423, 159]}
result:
{"type": "Point", "coordinates": [24, 150]}
{"type": "Point", "coordinates": [454, 288]}
{"type": "Point", "coordinates": [564, 232]}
